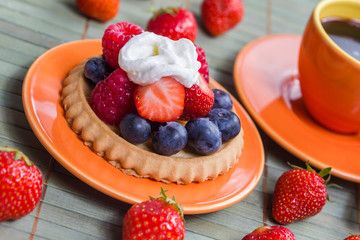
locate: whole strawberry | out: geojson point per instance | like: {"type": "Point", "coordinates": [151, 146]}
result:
{"type": "Point", "coordinates": [219, 16]}
{"type": "Point", "coordinates": [21, 184]}
{"type": "Point", "coordinates": [115, 37]}
{"type": "Point", "coordinates": [273, 232]}
{"type": "Point", "coordinates": [299, 194]}
{"type": "Point", "coordinates": [353, 237]}
{"type": "Point", "coordinates": [174, 23]}
{"type": "Point", "coordinates": [102, 10]}
{"type": "Point", "coordinates": [199, 100]}
{"type": "Point", "coordinates": [157, 218]}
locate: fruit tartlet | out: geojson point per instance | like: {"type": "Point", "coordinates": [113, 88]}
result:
{"type": "Point", "coordinates": [146, 106]}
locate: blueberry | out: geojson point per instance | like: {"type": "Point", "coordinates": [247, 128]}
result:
{"type": "Point", "coordinates": [227, 122]}
{"type": "Point", "coordinates": [155, 125]}
{"type": "Point", "coordinates": [169, 139]}
{"type": "Point", "coordinates": [96, 69]}
{"type": "Point", "coordinates": [204, 136]}
{"type": "Point", "coordinates": [134, 128]}
{"type": "Point", "coordinates": [222, 99]}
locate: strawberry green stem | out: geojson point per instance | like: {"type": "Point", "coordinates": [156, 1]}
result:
{"type": "Point", "coordinates": [325, 172]}
{"type": "Point", "coordinates": [18, 155]}
{"type": "Point", "coordinates": [322, 173]}
{"type": "Point", "coordinates": [172, 201]}
{"type": "Point", "coordinates": [169, 9]}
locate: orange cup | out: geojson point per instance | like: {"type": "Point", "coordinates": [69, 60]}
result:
{"type": "Point", "coordinates": [329, 77]}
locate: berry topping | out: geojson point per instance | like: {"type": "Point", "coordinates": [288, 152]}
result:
{"type": "Point", "coordinates": [169, 139]}
{"type": "Point", "coordinates": [227, 122]}
{"type": "Point", "coordinates": [161, 101]}
{"type": "Point", "coordinates": [222, 99]}
{"type": "Point", "coordinates": [112, 98]}
{"type": "Point", "coordinates": [199, 100]}
{"type": "Point", "coordinates": [155, 125]}
{"type": "Point", "coordinates": [114, 38]}
{"type": "Point", "coordinates": [174, 23]}
{"type": "Point", "coordinates": [96, 69]}
{"type": "Point", "coordinates": [204, 69]}
{"type": "Point", "coordinates": [204, 136]}
{"type": "Point", "coordinates": [157, 218]}
{"type": "Point", "coordinates": [21, 184]}
{"type": "Point", "coordinates": [134, 128]}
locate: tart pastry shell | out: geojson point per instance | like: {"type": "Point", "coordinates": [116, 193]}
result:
{"type": "Point", "coordinates": [138, 160]}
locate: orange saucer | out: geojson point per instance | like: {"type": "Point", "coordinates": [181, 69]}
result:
{"type": "Point", "coordinates": [265, 74]}
{"type": "Point", "coordinates": [41, 100]}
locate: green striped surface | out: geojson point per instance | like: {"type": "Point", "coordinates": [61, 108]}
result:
{"type": "Point", "coordinates": [70, 209]}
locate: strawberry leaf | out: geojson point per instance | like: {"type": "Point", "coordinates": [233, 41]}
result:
{"type": "Point", "coordinates": [17, 155]}
{"type": "Point", "coordinates": [294, 166]}
{"type": "Point", "coordinates": [334, 185]}
{"type": "Point", "coordinates": [325, 172]}
{"type": "Point", "coordinates": [172, 201]}
{"type": "Point", "coordinates": [308, 167]}
{"type": "Point", "coordinates": [168, 10]}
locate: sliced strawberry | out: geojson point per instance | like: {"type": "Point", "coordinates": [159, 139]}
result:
{"type": "Point", "coordinates": [161, 101]}
{"type": "Point", "coordinates": [199, 99]}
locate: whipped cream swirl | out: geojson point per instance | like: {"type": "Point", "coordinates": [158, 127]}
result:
{"type": "Point", "coordinates": [148, 57]}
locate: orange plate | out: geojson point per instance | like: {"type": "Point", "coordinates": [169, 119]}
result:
{"type": "Point", "coordinates": [42, 106]}
{"type": "Point", "coordinates": [265, 74]}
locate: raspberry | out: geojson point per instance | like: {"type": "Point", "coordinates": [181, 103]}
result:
{"type": "Point", "coordinates": [204, 69]}
{"type": "Point", "coordinates": [114, 38]}
{"type": "Point", "coordinates": [112, 98]}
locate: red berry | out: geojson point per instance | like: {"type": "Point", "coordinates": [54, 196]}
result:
{"type": "Point", "coordinates": [21, 184]}
{"type": "Point", "coordinates": [204, 69]}
{"type": "Point", "coordinates": [299, 194]}
{"type": "Point", "coordinates": [273, 232]}
{"type": "Point", "coordinates": [157, 218]}
{"type": "Point", "coordinates": [199, 99]}
{"type": "Point", "coordinates": [161, 101]}
{"type": "Point", "coordinates": [102, 10]}
{"type": "Point", "coordinates": [112, 98]}
{"type": "Point", "coordinates": [114, 38]}
{"type": "Point", "coordinates": [174, 23]}
{"type": "Point", "coordinates": [353, 237]}
{"type": "Point", "coordinates": [219, 16]}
